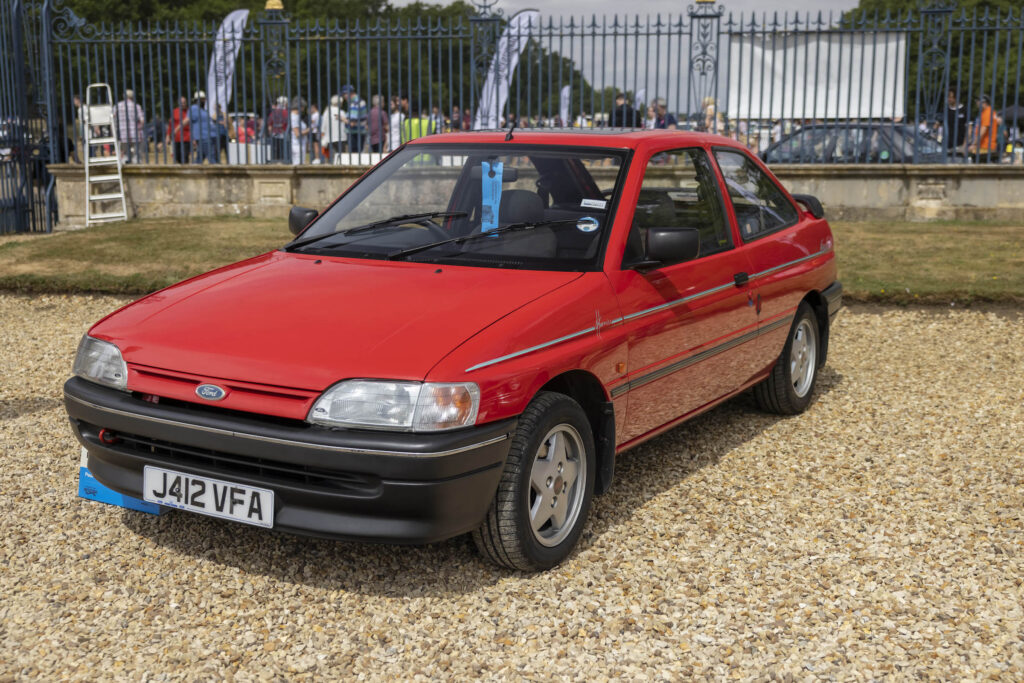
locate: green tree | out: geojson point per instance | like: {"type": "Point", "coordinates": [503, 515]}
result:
{"type": "Point", "coordinates": [427, 52]}
{"type": "Point", "coordinates": [971, 50]}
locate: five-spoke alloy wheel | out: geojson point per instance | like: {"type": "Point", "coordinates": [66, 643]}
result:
{"type": "Point", "coordinates": [557, 485]}
{"type": "Point", "coordinates": [788, 389]}
{"type": "Point", "coordinates": [545, 491]}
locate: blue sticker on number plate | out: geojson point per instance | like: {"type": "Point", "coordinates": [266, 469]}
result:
{"type": "Point", "coordinates": [490, 178]}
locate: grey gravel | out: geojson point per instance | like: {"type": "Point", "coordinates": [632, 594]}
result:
{"type": "Point", "coordinates": [879, 535]}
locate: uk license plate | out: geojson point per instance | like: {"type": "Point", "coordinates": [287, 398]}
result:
{"type": "Point", "coordinates": [225, 499]}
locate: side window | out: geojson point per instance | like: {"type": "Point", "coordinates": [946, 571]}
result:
{"type": "Point", "coordinates": [759, 204]}
{"type": "Point", "coordinates": [679, 191]}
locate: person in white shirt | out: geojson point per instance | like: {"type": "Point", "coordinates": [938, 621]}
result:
{"type": "Point", "coordinates": [314, 133]}
{"type": "Point", "coordinates": [335, 127]}
{"type": "Point", "coordinates": [299, 131]}
{"type": "Point", "coordinates": [397, 118]}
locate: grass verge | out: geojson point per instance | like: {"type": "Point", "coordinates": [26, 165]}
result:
{"type": "Point", "coordinates": [931, 262]}
{"type": "Point", "coordinates": [136, 257]}
{"type": "Point", "coordinates": [878, 262]}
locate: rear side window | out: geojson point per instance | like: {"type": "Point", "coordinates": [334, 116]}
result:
{"type": "Point", "coordinates": [760, 206]}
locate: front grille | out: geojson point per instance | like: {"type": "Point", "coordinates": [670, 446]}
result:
{"type": "Point", "coordinates": [210, 408]}
{"type": "Point", "coordinates": [271, 471]}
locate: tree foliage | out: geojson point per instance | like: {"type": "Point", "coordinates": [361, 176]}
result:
{"type": "Point", "coordinates": [216, 10]}
{"type": "Point", "coordinates": [975, 50]}
{"type": "Point", "coordinates": [426, 52]}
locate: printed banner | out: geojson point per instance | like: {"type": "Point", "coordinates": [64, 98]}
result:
{"type": "Point", "coordinates": [506, 58]}
{"type": "Point", "coordinates": [222, 64]}
{"type": "Point", "coordinates": [849, 75]}
{"type": "Point", "coordinates": [563, 106]}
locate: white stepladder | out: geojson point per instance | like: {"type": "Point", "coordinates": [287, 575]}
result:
{"type": "Point", "coordinates": [102, 171]}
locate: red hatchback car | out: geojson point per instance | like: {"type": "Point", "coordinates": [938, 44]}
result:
{"type": "Point", "coordinates": [466, 340]}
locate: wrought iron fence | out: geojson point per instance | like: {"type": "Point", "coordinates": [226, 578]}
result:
{"type": "Point", "coordinates": [804, 87]}
{"type": "Point", "coordinates": [26, 200]}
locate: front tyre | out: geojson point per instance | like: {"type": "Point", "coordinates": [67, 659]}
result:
{"type": "Point", "coordinates": [546, 488]}
{"type": "Point", "coordinates": [788, 389]}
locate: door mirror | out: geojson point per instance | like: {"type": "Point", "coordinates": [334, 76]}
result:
{"type": "Point", "coordinates": [299, 217]}
{"type": "Point", "coordinates": [671, 245]}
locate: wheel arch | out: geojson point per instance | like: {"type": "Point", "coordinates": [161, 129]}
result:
{"type": "Point", "coordinates": [587, 390]}
{"type": "Point", "coordinates": [819, 305]}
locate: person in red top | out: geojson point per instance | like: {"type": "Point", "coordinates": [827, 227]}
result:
{"type": "Point", "coordinates": [178, 132]}
{"type": "Point", "coordinates": [247, 131]}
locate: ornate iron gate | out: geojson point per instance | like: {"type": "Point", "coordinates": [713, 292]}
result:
{"type": "Point", "coordinates": [26, 133]}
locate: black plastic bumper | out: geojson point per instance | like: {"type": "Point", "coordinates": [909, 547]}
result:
{"type": "Point", "coordinates": [364, 485]}
{"type": "Point", "coordinates": [834, 298]}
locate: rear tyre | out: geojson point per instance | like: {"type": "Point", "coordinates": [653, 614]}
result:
{"type": "Point", "coordinates": [788, 389]}
{"type": "Point", "coordinates": [542, 501]}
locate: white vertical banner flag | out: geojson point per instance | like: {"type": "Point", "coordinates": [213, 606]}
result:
{"type": "Point", "coordinates": [222, 64]}
{"type": "Point", "coordinates": [640, 102]}
{"type": "Point", "coordinates": [503, 65]}
{"type": "Point", "coordinates": [563, 106]}
{"type": "Point", "coordinates": [848, 75]}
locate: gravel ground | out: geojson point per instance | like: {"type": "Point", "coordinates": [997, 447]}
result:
{"type": "Point", "coordinates": [879, 535]}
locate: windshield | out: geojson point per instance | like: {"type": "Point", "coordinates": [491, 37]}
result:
{"type": "Point", "coordinates": [558, 200]}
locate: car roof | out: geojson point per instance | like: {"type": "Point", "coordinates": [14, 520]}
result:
{"type": "Point", "coordinates": [628, 138]}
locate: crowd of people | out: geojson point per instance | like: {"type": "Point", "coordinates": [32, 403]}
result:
{"type": "Point", "coordinates": [296, 132]}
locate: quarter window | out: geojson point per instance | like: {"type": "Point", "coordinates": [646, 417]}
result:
{"type": "Point", "coordinates": [760, 205]}
{"type": "Point", "coordinates": [679, 191]}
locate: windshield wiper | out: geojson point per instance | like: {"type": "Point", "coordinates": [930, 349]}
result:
{"type": "Point", "coordinates": [405, 218]}
{"type": "Point", "coordinates": [467, 238]}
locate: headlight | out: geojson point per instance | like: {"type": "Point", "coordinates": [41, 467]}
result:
{"type": "Point", "coordinates": [401, 406]}
{"type": "Point", "coordinates": [101, 362]}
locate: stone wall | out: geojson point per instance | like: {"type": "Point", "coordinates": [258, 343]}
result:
{"type": "Point", "coordinates": [877, 192]}
{"type": "Point", "coordinates": [916, 193]}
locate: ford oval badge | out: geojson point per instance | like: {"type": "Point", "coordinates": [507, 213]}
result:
{"type": "Point", "coordinates": [211, 392]}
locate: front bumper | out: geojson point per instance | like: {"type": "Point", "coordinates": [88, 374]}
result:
{"type": "Point", "coordinates": [348, 484]}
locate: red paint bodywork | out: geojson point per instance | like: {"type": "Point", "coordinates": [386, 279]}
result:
{"type": "Point", "coordinates": [279, 329]}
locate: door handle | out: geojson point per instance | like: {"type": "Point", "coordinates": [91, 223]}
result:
{"type": "Point", "coordinates": [741, 279]}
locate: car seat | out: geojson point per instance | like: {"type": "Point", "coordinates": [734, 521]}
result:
{"type": "Point", "coordinates": [520, 206]}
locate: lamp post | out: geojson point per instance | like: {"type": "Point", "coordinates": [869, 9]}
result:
{"type": "Point", "coordinates": [274, 53]}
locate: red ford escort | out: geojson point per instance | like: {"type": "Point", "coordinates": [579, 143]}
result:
{"type": "Point", "coordinates": [466, 340]}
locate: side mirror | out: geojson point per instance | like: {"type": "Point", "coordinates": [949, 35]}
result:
{"type": "Point", "coordinates": [299, 217]}
{"type": "Point", "coordinates": [670, 245]}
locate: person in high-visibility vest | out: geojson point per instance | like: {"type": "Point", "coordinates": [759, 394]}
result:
{"type": "Point", "coordinates": [416, 126]}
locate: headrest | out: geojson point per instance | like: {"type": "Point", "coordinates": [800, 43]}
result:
{"type": "Point", "coordinates": [520, 206]}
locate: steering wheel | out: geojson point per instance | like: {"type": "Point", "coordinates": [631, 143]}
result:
{"type": "Point", "coordinates": [433, 228]}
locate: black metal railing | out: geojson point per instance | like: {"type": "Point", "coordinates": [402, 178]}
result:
{"type": "Point", "coordinates": [797, 87]}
